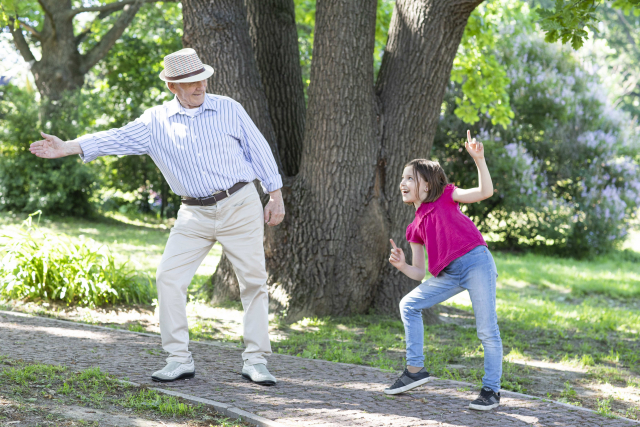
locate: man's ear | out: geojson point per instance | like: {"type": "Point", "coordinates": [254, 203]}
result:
{"type": "Point", "coordinates": [171, 87]}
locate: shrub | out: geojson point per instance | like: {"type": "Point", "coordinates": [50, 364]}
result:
{"type": "Point", "coordinates": [28, 183]}
{"type": "Point", "coordinates": [41, 266]}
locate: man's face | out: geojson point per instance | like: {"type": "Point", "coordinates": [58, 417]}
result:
{"type": "Point", "coordinates": [190, 95]}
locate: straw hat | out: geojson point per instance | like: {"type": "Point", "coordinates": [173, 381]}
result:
{"type": "Point", "coordinates": [184, 66]}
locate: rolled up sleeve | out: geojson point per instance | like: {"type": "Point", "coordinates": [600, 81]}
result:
{"type": "Point", "coordinates": [258, 152]}
{"type": "Point", "coordinates": [132, 139]}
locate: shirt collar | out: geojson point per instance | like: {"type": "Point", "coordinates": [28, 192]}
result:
{"type": "Point", "coordinates": [174, 106]}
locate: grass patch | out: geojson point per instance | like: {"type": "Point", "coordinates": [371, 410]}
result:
{"type": "Point", "coordinates": [138, 240]}
{"type": "Point", "coordinates": [35, 387]}
{"type": "Point", "coordinates": [152, 400]}
{"type": "Point", "coordinates": [42, 266]}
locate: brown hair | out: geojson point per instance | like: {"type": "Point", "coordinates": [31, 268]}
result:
{"type": "Point", "coordinates": [433, 174]}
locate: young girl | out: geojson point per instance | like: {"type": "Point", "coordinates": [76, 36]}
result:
{"type": "Point", "coordinates": [458, 259]}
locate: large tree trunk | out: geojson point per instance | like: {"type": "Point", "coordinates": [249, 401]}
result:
{"type": "Point", "coordinates": [272, 25]}
{"type": "Point", "coordinates": [329, 257]}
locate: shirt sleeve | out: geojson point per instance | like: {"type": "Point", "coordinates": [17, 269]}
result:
{"type": "Point", "coordinates": [412, 235]}
{"type": "Point", "coordinates": [447, 194]}
{"type": "Point", "coordinates": [132, 139]}
{"type": "Point", "coordinates": [257, 150]}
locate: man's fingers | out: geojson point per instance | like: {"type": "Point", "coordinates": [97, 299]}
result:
{"type": "Point", "coordinates": [469, 135]}
{"type": "Point", "coordinates": [272, 219]}
{"type": "Point", "coordinates": [276, 219]}
{"type": "Point", "coordinates": [393, 244]}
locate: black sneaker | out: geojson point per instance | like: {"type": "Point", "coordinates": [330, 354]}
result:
{"type": "Point", "coordinates": [487, 400]}
{"type": "Point", "coordinates": [407, 381]}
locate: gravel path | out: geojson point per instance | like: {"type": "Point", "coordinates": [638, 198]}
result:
{"type": "Point", "coordinates": [309, 392]}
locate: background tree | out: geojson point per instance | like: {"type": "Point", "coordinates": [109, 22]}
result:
{"type": "Point", "coordinates": [50, 26]}
{"type": "Point", "coordinates": [118, 90]}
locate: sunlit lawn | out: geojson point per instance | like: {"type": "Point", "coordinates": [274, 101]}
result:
{"type": "Point", "coordinates": [569, 327]}
{"type": "Point", "coordinates": [139, 240]}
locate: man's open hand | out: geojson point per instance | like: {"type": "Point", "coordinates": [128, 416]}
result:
{"type": "Point", "coordinates": [52, 147]}
{"type": "Point", "coordinates": [274, 211]}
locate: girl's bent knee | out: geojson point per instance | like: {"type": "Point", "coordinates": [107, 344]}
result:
{"type": "Point", "coordinates": [490, 338]}
{"type": "Point", "coordinates": [407, 309]}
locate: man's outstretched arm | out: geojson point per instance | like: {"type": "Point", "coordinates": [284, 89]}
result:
{"type": "Point", "coordinates": [132, 139]}
{"type": "Point", "coordinates": [52, 147]}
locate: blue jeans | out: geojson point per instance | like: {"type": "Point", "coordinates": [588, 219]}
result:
{"type": "Point", "coordinates": [475, 272]}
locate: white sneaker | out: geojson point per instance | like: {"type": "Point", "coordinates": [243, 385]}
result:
{"type": "Point", "coordinates": [175, 371]}
{"type": "Point", "coordinates": [258, 373]}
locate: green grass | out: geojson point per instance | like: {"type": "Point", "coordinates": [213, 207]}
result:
{"type": "Point", "coordinates": [584, 313]}
{"type": "Point", "coordinates": [137, 240]}
{"type": "Point", "coordinates": [40, 265]}
{"type": "Point", "coordinates": [38, 384]}
{"type": "Point", "coordinates": [151, 399]}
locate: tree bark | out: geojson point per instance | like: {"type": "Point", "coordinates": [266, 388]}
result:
{"type": "Point", "coordinates": [326, 257]}
{"type": "Point", "coordinates": [219, 33]}
{"type": "Point", "coordinates": [272, 26]}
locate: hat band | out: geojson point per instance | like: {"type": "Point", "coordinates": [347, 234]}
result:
{"type": "Point", "coordinates": [184, 76]}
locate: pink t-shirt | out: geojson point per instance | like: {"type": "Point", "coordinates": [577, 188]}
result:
{"type": "Point", "coordinates": [444, 230]}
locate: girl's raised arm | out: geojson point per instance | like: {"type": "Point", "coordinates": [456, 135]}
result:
{"type": "Point", "coordinates": [485, 186]}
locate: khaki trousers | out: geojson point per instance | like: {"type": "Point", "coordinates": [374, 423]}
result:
{"type": "Point", "coordinates": [237, 222]}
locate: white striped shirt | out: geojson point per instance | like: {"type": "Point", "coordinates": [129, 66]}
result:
{"type": "Point", "coordinates": [198, 155]}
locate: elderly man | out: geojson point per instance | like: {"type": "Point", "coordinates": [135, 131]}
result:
{"type": "Point", "coordinates": [209, 151]}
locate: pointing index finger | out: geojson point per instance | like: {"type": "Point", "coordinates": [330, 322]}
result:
{"type": "Point", "coordinates": [469, 136]}
{"type": "Point", "coordinates": [393, 244]}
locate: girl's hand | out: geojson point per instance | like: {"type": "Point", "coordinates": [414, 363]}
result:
{"type": "Point", "coordinates": [397, 256]}
{"type": "Point", "coordinates": [474, 148]}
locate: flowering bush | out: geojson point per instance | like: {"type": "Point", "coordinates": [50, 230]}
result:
{"type": "Point", "coordinates": [565, 170]}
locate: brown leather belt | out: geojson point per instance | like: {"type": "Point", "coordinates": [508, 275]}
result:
{"type": "Point", "coordinates": [212, 200]}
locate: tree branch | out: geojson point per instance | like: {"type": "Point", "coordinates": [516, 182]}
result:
{"type": "Point", "coordinates": [21, 42]}
{"type": "Point", "coordinates": [109, 8]}
{"type": "Point", "coordinates": [32, 30]}
{"type": "Point", "coordinates": [87, 29]}
{"type": "Point", "coordinates": [628, 29]}
{"type": "Point", "coordinates": [100, 50]}
{"type": "Point", "coordinates": [83, 34]}
{"type": "Point", "coordinates": [46, 6]}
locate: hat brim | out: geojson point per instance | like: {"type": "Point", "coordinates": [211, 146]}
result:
{"type": "Point", "coordinates": [208, 72]}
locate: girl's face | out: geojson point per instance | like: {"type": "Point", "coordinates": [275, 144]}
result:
{"type": "Point", "coordinates": [413, 188]}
